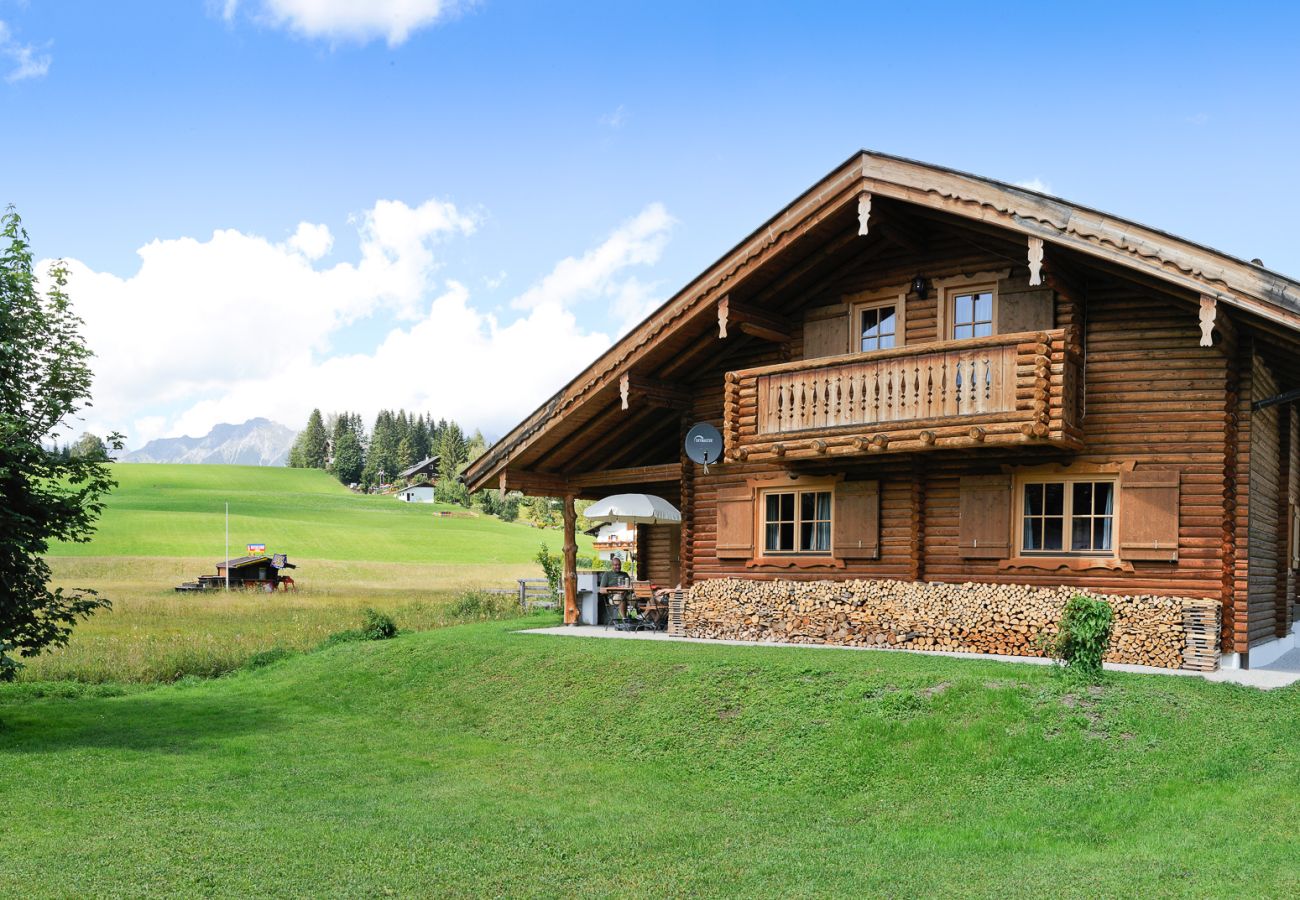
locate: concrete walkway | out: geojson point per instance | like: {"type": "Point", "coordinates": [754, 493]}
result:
{"type": "Point", "coordinates": [1281, 673]}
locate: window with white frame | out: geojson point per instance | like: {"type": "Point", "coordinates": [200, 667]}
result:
{"type": "Point", "coordinates": [796, 522]}
{"type": "Point", "coordinates": [877, 326]}
{"type": "Point", "coordinates": [1067, 517]}
{"type": "Point", "coordinates": [972, 313]}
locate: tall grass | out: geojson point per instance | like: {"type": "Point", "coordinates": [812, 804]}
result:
{"type": "Point", "coordinates": [153, 634]}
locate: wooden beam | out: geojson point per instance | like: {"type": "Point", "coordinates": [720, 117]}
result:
{"type": "Point", "coordinates": [663, 394]}
{"type": "Point", "coordinates": [624, 429]}
{"type": "Point", "coordinates": [570, 560]}
{"type": "Point", "coordinates": [752, 321]}
{"type": "Point", "coordinates": [533, 484]}
{"type": "Point", "coordinates": [632, 475]}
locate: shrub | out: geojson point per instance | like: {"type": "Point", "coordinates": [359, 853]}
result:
{"type": "Point", "coordinates": [377, 626]}
{"type": "Point", "coordinates": [1084, 636]}
{"type": "Point", "coordinates": [553, 566]}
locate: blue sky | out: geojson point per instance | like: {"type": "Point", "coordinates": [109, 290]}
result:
{"type": "Point", "coordinates": [454, 207]}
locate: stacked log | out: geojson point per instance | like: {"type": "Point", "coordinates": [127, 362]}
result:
{"type": "Point", "coordinates": [1008, 619]}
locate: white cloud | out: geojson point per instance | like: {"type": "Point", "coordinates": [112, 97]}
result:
{"type": "Point", "coordinates": [350, 20]}
{"type": "Point", "coordinates": [615, 119]}
{"type": "Point", "coordinates": [236, 326]}
{"type": "Point", "coordinates": [27, 59]}
{"type": "Point", "coordinates": [638, 242]}
{"type": "Point", "coordinates": [1035, 184]}
{"type": "Point", "coordinates": [312, 241]}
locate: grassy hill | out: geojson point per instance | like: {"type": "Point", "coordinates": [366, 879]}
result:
{"type": "Point", "coordinates": [473, 761]}
{"type": "Point", "coordinates": [179, 511]}
{"type": "Point", "coordinates": [165, 524]}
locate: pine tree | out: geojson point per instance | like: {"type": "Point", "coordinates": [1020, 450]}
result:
{"type": "Point", "coordinates": [348, 462]}
{"type": "Point", "coordinates": [314, 442]}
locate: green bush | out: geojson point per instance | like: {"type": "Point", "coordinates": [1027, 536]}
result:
{"type": "Point", "coordinates": [1083, 637]}
{"type": "Point", "coordinates": [377, 626]}
{"type": "Point", "coordinates": [553, 566]}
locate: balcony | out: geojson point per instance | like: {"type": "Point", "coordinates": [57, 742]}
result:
{"type": "Point", "coordinates": [1010, 389]}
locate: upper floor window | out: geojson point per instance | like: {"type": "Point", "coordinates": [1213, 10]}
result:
{"type": "Point", "coordinates": [878, 326]}
{"type": "Point", "coordinates": [972, 314]}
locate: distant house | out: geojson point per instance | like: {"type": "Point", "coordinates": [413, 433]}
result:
{"type": "Point", "coordinates": [421, 492]}
{"type": "Point", "coordinates": [426, 468]}
{"type": "Point", "coordinates": [614, 539]}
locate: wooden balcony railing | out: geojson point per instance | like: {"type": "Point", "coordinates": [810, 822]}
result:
{"type": "Point", "coordinates": [1012, 388]}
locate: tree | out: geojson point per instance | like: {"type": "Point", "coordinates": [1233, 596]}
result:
{"type": "Point", "coordinates": [348, 462]}
{"type": "Point", "coordinates": [315, 442]}
{"type": "Point", "coordinates": [88, 446]}
{"type": "Point", "coordinates": [45, 378]}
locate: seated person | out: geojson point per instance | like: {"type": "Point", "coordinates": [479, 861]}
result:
{"type": "Point", "coordinates": [615, 579]}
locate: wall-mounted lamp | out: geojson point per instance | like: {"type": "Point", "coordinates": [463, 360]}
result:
{"type": "Point", "coordinates": [918, 287]}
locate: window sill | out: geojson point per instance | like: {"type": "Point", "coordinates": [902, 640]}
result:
{"type": "Point", "coordinates": [795, 562]}
{"type": "Point", "coordinates": [1071, 563]}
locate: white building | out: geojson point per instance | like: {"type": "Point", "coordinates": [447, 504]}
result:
{"type": "Point", "coordinates": [416, 493]}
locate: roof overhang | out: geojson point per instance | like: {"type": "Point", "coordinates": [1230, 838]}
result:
{"type": "Point", "coordinates": [1136, 248]}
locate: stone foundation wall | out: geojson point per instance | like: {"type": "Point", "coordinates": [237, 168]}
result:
{"type": "Point", "coordinates": [1169, 632]}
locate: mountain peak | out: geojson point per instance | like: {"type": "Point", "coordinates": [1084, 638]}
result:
{"type": "Point", "coordinates": [256, 442]}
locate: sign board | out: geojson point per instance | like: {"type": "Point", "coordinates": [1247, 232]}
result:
{"type": "Point", "coordinates": [256, 549]}
{"type": "Point", "coordinates": [278, 561]}
{"type": "Point", "coordinates": [704, 444]}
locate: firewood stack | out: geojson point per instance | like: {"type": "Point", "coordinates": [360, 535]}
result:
{"type": "Point", "coordinates": [1168, 632]}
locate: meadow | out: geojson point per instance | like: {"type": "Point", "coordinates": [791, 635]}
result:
{"type": "Point", "coordinates": [165, 524]}
{"type": "Point", "coordinates": [477, 761]}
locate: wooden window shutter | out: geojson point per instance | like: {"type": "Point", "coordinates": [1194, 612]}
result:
{"type": "Point", "coordinates": [985, 530]}
{"type": "Point", "coordinates": [826, 335]}
{"type": "Point", "coordinates": [1295, 536]}
{"type": "Point", "coordinates": [857, 520]}
{"type": "Point", "coordinates": [735, 538]}
{"type": "Point", "coordinates": [1148, 515]}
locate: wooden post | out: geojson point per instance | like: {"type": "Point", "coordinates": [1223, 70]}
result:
{"type": "Point", "coordinates": [570, 560]}
{"type": "Point", "coordinates": [523, 595]}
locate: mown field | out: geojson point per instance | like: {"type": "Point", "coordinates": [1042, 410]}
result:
{"type": "Point", "coordinates": [165, 524]}
{"type": "Point", "coordinates": [475, 761]}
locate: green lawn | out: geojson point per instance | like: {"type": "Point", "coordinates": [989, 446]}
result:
{"type": "Point", "coordinates": [179, 511]}
{"type": "Point", "coordinates": [473, 761]}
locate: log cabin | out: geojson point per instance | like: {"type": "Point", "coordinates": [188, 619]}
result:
{"type": "Point", "coordinates": [927, 377]}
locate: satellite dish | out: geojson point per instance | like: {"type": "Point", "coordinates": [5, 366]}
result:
{"type": "Point", "coordinates": [704, 444]}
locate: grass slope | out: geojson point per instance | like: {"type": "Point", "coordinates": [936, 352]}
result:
{"type": "Point", "coordinates": [472, 761]}
{"type": "Point", "coordinates": [179, 511]}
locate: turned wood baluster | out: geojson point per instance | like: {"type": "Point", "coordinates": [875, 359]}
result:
{"type": "Point", "coordinates": [916, 391]}
{"type": "Point", "coordinates": [974, 389]}
{"type": "Point", "coordinates": [780, 405]}
{"type": "Point", "coordinates": [929, 390]}
{"type": "Point", "coordinates": [958, 393]}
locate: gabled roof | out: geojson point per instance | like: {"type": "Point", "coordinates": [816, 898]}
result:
{"type": "Point", "coordinates": [1133, 248]}
{"type": "Point", "coordinates": [418, 467]}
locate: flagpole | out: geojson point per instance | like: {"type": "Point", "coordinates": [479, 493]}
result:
{"type": "Point", "coordinates": [227, 566]}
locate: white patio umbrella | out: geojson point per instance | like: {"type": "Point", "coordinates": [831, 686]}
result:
{"type": "Point", "coordinates": [639, 509]}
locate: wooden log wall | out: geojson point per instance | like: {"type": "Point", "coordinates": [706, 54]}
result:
{"type": "Point", "coordinates": [1264, 531]}
{"type": "Point", "coordinates": [1153, 397]}
{"type": "Point", "coordinates": [1014, 620]}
